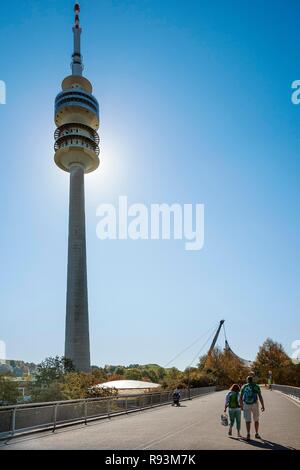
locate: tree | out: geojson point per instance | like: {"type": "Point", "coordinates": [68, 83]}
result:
{"type": "Point", "coordinates": [97, 392]}
{"type": "Point", "coordinates": [149, 374]}
{"type": "Point", "coordinates": [99, 375]}
{"type": "Point", "coordinates": [76, 385]}
{"type": "Point", "coordinates": [132, 374]}
{"type": "Point", "coordinates": [50, 392]}
{"type": "Point", "coordinates": [48, 379]}
{"type": "Point", "coordinates": [271, 356]}
{"type": "Point", "coordinates": [52, 369]}
{"type": "Point", "coordinates": [70, 386]}
{"type": "Point", "coordinates": [120, 370]}
{"type": "Point", "coordinates": [194, 377]}
{"type": "Point", "coordinates": [173, 378]}
{"type": "Point", "coordinates": [161, 373]}
{"type": "Point", "coordinates": [223, 368]}
{"type": "Point", "coordinates": [9, 392]}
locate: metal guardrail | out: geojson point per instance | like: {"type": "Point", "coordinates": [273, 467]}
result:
{"type": "Point", "coordinates": [19, 419]}
{"type": "Point", "coordinates": [293, 392]}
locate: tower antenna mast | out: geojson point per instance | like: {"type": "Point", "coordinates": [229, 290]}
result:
{"type": "Point", "coordinates": [77, 64]}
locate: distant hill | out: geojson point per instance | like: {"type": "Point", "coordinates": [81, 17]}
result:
{"type": "Point", "coordinates": [151, 372]}
{"type": "Point", "coordinates": [18, 368]}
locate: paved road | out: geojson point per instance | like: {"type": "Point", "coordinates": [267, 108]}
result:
{"type": "Point", "coordinates": [196, 425]}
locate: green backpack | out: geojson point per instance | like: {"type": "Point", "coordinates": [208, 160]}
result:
{"type": "Point", "coordinates": [234, 400]}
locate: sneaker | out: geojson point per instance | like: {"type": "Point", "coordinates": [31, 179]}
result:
{"type": "Point", "coordinates": [257, 436]}
{"type": "Point", "coordinates": [230, 432]}
{"type": "Point", "coordinates": [248, 437]}
{"type": "Point", "coordinates": [239, 434]}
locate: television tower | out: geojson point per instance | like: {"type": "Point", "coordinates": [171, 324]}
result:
{"type": "Point", "coordinates": [77, 152]}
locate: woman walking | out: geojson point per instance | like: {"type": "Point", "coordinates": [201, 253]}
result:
{"type": "Point", "coordinates": [232, 402]}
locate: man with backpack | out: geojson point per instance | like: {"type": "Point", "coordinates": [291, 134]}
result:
{"type": "Point", "coordinates": [249, 396]}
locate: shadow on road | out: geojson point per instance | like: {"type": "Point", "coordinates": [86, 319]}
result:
{"type": "Point", "coordinates": [264, 444]}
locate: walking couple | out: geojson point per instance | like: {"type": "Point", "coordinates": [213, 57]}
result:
{"type": "Point", "coordinates": [247, 400]}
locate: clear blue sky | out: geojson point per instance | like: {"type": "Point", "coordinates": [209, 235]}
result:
{"type": "Point", "coordinates": [195, 107]}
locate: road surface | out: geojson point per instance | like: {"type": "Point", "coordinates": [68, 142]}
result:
{"type": "Point", "coordinates": [195, 425]}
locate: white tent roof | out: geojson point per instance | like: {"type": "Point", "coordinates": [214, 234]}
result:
{"type": "Point", "coordinates": [128, 384]}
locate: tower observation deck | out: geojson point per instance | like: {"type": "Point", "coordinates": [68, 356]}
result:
{"type": "Point", "coordinates": [77, 152]}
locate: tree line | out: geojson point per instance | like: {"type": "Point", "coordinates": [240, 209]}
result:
{"type": "Point", "coordinates": [56, 379]}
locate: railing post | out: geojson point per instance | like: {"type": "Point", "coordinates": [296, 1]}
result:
{"type": "Point", "coordinates": [108, 407]}
{"type": "Point", "coordinates": [13, 421]}
{"type": "Point", "coordinates": [151, 401]}
{"type": "Point", "coordinates": [126, 405]}
{"type": "Point", "coordinates": [55, 417]}
{"type": "Point", "coordinates": [85, 412]}
{"type": "Point", "coordinates": [189, 385]}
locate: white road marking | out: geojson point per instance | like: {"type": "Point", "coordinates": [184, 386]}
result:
{"type": "Point", "coordinates": [293, 400]}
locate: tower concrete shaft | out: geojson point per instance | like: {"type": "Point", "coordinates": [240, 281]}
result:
{"type": "Point", "coordinates": [77, 345]}
{"type": "Point", "coordinates": [77, 152]}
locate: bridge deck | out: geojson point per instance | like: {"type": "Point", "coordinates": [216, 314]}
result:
{"type": "Point", "coordinates": [195, 425]}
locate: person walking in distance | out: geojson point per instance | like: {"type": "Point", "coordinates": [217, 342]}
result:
{"type": "Point", "coordinates": [176, 397]}
{"type": "Point", "coordinates": [270, 380]}
{"type": "Point", "coordinates": [249, 397]}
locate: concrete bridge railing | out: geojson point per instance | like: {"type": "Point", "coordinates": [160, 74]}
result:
{"type": "Point", "coordinates": [293, 392]}
{"type": "Point", "coordinates": [19, 419]}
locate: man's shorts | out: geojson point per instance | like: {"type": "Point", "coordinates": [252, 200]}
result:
{"type": "Point", "coordinates": [250, 410]}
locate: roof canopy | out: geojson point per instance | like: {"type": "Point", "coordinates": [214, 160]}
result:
{"type": "Point", "coordinates": [128, 385]}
